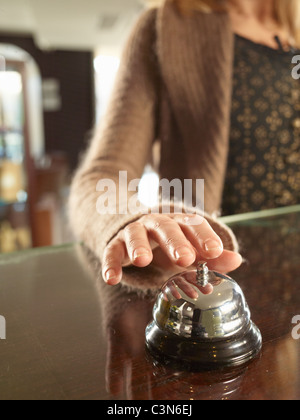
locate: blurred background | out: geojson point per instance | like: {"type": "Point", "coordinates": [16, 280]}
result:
{"type": "Point", "coordinates": [58, 62]}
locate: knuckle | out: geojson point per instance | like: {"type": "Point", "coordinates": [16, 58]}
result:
{"type": "Point", "coordinates": [174, 243]}
{"type": "Point", "coordinates": [198, 234]}
{"type": "Point", "coordinates": [132, 243]}
{"type": "Point", "coordinates": [112, 250]}
{"type": "Point", "coordinates": [162, 223]}
{"type": "Point", "coordinates": [108, 260]}
{"type": "Point", "coordinates": [170, 242]}
{"type": "Point", "coordinates": [133, 236]}
{"type": "Point", "coordinates": [143, 219]}
{"type": "Point", "coordinates": [109, 249]}
{"type": "Point", "coordinates": [129, 228]}
{"type": "Point", "coordinates": [146, 219]}
{"type": "Point", "coordinates": [198, 220]}
{"type": "Point", "coordinates": [157, 225]}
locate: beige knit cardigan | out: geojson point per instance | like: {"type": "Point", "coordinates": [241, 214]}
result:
{"type": "Point", "coordinates": [174, 86]}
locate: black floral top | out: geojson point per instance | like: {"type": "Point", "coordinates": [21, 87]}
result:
{"type": "Point", "coordinates": [264, 159]}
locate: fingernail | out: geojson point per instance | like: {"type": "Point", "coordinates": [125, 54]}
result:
{"type": "Point", "coordinates": [141, 252]}
{"type": "Point", "coordinates": [110, 274]}
{"type": "Point", "coordinates": [241, 257]}
{"type": "Point", "coordinates": [212, 245]}
{"type": "Point", "coordinates": [183, 252]}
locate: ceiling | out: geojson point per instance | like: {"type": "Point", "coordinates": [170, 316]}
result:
{"type": "Point", "coordinates": [71, 24]}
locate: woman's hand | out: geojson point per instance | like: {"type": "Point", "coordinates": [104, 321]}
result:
{"type": "Point", "coordinates": [169, 241]}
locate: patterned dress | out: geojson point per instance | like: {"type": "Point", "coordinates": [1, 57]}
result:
{"type": "Point", "coordinates": [264, 159]}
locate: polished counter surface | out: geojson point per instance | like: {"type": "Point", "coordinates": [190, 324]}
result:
{"type": "Point", "coordinates": [69, 336]}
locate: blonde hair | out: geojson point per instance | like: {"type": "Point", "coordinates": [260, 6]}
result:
{"type": "Point", "coordinates": [287, 12]}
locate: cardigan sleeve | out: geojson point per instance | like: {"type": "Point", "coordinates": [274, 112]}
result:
{"type": "Point", "coordinates": [123, 142]}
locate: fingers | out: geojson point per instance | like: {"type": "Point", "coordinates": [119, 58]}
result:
{"type": "Point", "coordinates": [182, 240]}
{"type": "Point", "coordinates": [137, 243]}
{"type": "Point", "coordinates": [168, 234]}
{"type": "Point", "coordinates": [201, 235]}
{"type": "Point", "coordinates": [227, 262]}
{"type": "Point", "coordinates": [113, 258]}
{"type": "Point", "coordinates": [130, 246]}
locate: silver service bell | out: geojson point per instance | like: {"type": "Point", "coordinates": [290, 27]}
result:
{"type": "Point", "coordinates": [201, 319]}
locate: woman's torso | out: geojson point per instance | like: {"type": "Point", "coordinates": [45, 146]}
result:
{"type": "Point", "coordinates": [264, 157]}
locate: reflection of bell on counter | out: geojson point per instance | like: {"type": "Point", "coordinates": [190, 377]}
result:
{"type": "Point", "coordinates": [201, 318]}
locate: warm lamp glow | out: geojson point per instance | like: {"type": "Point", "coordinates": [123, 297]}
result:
{"type": "Point", "coordinates": [106, 68]}
{"type": "Point", "coordinates": [149, 189]}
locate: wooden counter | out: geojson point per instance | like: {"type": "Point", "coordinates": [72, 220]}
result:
{"type": "Point", "coordinates": [69, 336]}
